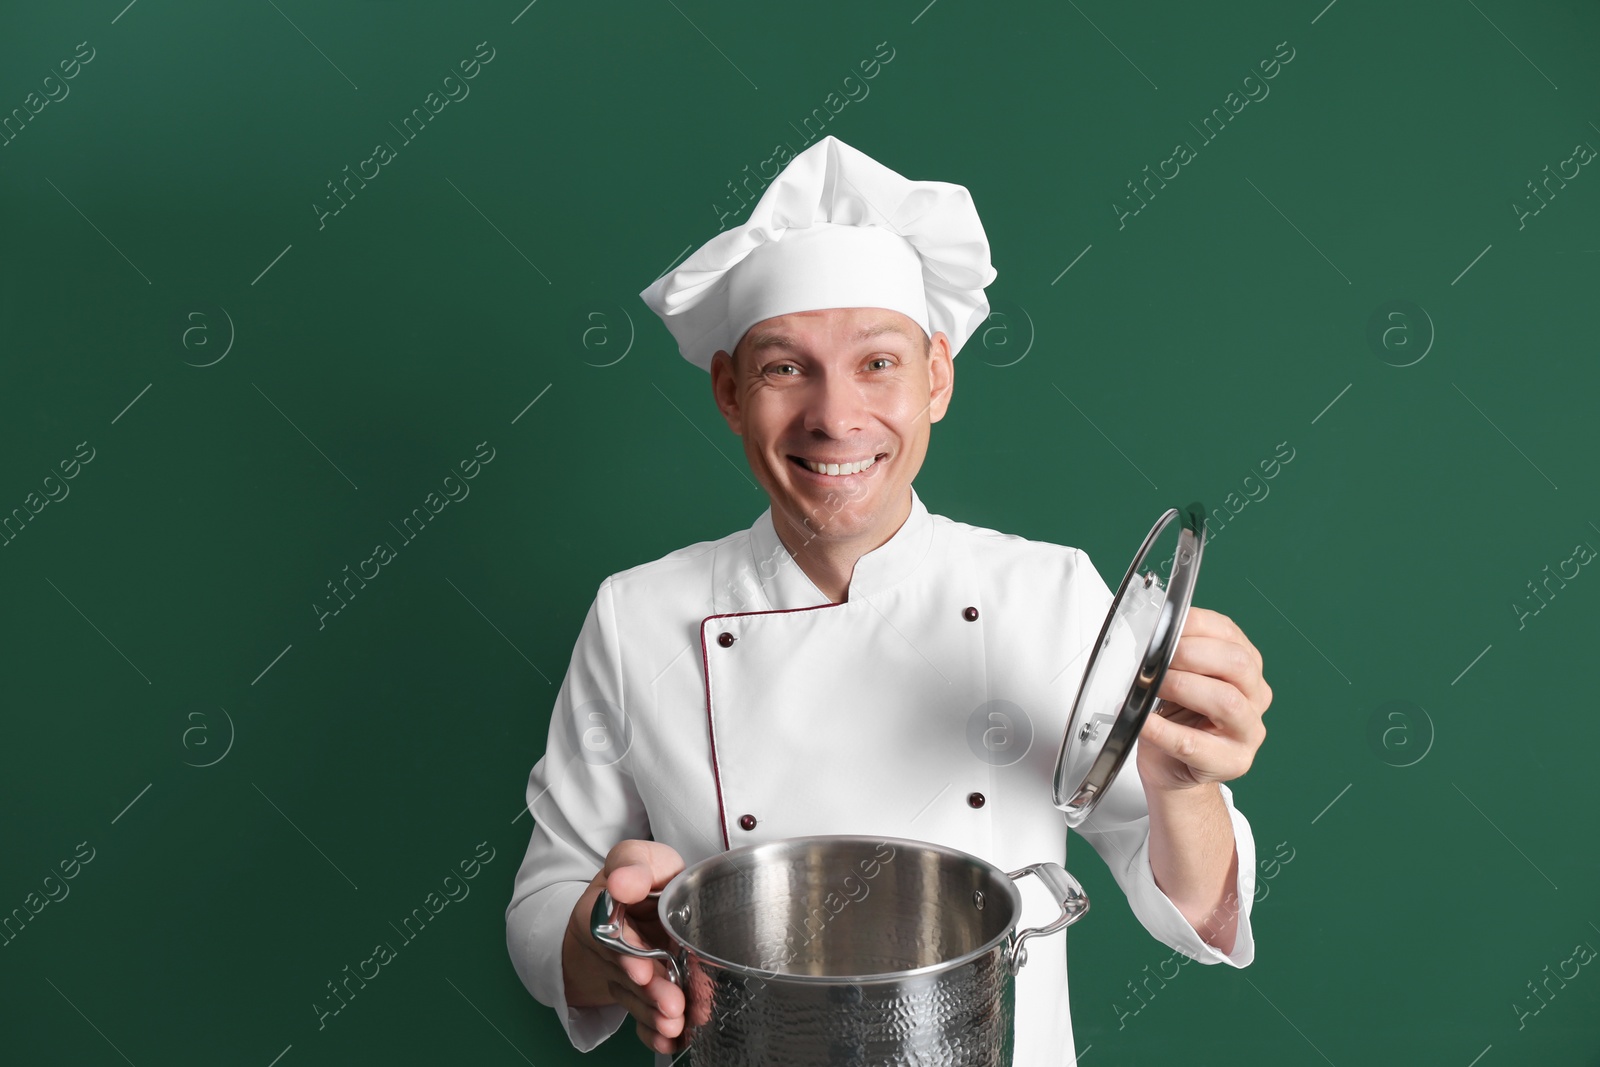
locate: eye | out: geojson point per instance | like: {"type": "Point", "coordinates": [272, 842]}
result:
{"type": "Point", "coordinates": [885, 360]}
{"type": "Point", "coordinates": [782, 369]}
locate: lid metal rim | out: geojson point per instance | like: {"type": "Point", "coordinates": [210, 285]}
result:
{"type": "Point", "coordinates": [1141, 699]}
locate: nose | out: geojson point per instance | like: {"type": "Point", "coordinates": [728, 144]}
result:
{"type": "Point", "coordinates": [835, 407]}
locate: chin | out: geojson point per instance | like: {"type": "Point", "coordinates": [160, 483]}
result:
{"type": "Point", "coordinates": [846, 523]}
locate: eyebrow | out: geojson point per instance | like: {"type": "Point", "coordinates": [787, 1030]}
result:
{"type": "Point", "coordinates": [767, 340]}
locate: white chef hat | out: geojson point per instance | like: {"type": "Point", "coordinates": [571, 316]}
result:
{"type": "Point", "coordinates": [835, 228]}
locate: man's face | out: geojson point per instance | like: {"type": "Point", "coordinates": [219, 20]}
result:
{"type": "Point", "coordinates": [856, 387]}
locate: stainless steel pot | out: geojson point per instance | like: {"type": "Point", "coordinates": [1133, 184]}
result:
{"type": "Point", "coordinates": [846, 950]}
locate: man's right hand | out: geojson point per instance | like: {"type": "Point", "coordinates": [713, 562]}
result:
{"type": "Point", "coordinates": [595, 975]}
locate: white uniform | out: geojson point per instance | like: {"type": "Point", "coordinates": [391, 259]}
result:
{"type": "Point", "coordinates": [716, 689]}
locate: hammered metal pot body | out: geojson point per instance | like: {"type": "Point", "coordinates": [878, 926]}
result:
{"type": "Point", "coordinates": [829, 951]}
{"type": "Point", "coordinates": [961, 1017]}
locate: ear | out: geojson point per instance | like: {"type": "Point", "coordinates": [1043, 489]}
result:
{"type": "Point", "coordinates": [725, 390]}
{"type": "Point", "coordinates": [941, 376]}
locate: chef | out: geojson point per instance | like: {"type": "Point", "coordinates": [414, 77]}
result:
{"type": "Point", "coordinates": [852, 662]}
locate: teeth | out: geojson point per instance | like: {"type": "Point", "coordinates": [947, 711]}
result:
{"type": "Point", "coordinates": [841, 468]}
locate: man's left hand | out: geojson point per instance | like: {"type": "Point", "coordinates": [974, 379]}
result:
{"type": "Point", "coordinates": [1209, 728]}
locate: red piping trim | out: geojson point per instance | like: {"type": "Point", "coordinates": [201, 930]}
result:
{"type": "Point", "coordinates": [711, 729]}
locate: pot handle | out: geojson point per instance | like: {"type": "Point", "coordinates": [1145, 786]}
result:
{"type": "Point", "coordinates": [605, 925]}
{"type": "Point", "coordinates": [1074, 904]}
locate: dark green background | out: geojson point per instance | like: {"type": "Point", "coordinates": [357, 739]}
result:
{"type": "Point", "coordinates": [458, 287]}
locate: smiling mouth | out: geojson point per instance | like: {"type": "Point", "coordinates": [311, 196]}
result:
{"type": "Point", "coordinates": [838, 469]}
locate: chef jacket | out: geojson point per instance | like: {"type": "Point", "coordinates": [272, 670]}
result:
{"type": "Point", "coordinates": [716, 698]}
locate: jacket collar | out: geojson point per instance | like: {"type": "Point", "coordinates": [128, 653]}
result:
{"type": "Point", "coordinates": [786, 586]}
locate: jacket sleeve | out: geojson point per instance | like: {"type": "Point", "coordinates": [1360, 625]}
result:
{"type": "Point", "coordinates": [583, 800]}
{"type": "Point", "coordinates": [1119, 830]}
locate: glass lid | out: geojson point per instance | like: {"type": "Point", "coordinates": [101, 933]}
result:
{"type": "Point", "coordinates": [1129, 660]}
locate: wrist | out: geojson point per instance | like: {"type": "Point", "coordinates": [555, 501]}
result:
{"type": "Point", "coordinates": [1177, 798]}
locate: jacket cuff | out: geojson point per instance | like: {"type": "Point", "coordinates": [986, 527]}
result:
{"type": "Point", "coordinates": [1162, 918]}
{"type": "Point", "coordinates": [535, 930]}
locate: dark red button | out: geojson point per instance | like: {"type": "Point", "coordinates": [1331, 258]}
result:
{"type": "Point", "coordinates": [724, 639]}
{"type": "Point", "coordinates": [747, 822]}
{"type": "Point", "coordinates": [975, 800]}
{"type": "Point", "coordinates": [971, 614]}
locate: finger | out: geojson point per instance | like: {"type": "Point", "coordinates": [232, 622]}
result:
{"type": "Point", "coordinates": [620, 966]}
{"type": "Point", "coordinates": [635, 868]}
{"type": "Point", "coordinates": [1182, 715]}
{"type": "Point", "coordinates": [1220, 657]}
{"type": "Point", "coordinates": [616, 967]}
{"type": "Point", "coordinates": [652, 1040]}
{"type": "Point", "coordinates": [643, 1004]}
{"type": "Point", "coordinates": [637, 969]}
{"type": "Point", "coordinates": [669, 1004]}
{"type": "Point", "coordinates": [1208, 755]}
{"type": "Point", "coordinates": [1203, 622]}
{"type": "Point", "coordinates": [1219, 701]}
{"type": "Point", "coordinates": [627, 995]}
{"type": "Point", "coordinates": [659, 1043]}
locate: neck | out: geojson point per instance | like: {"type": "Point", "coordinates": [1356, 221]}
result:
{"type": "Point", "coordinates": [831, 562]}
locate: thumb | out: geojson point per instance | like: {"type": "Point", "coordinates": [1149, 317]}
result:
{"type": "Point", "coordinates": [636, 868]}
